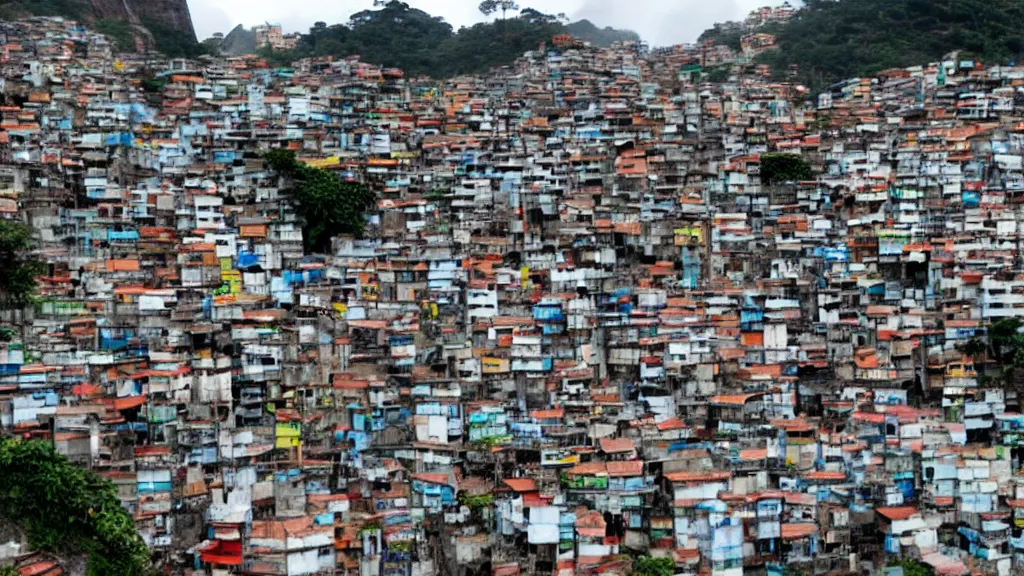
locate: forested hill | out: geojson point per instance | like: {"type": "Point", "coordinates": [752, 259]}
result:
{"type": "Point", "coordinates": [400, 36]}
{"type": "Point", "coordinates": [834, 39]}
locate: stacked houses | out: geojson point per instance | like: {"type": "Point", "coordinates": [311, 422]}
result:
{"type": "Point", "coordinates": [582, 323]}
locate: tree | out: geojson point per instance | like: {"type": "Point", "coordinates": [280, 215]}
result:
{"type": "Point", "coordinates": [1006, 347]}
{"type": "Point", "coordinates": [327, 205]}
{"type": "Point", "coordinates": [393, 34]}
{"type": "Point", "coordinates": [119, 31]}
{"type": "Point", "coordinates": [912, 567]}
{"type": "Point", "coordinates": [66, 509]}
{"type": "Point", "coordinates": [18, 282]}
{"type": "Point", "coordinates": [1005, 339]}
{"type": "Point", "coordinates": [829, 41]}
{"type": "Point", "coordinates": [977, 350]}
{"type": "Point", "coordinates": [781, 168]}
{"type": "Point", "coordinates": [171, 42]}
{"type": "Point", "coordinates": [647, 566]}
{"type": "Point", "coordinates": [488, 7]}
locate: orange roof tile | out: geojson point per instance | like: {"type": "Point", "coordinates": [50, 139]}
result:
{"type": "Point", "coordinates": [521, 484]}
{"type": "Point", "coordinates": [431, 478]}
{"type": "Point", "coordinates": [671, 424]}
{"type": "Point", "coordinates": [616, 445]}
{"type": "Point", "coordinates": [753, 454]}
{"type": "Point", "coordinates": [897, 513]}
{"type": "Point", "coordinates": [623, 469]}
{"type": "Point", "coordinates": [589, 469]}
{"type": "Point", "coordinates": [735, 399]}
{"type": "Point", "coordinates": [551, 414]}
{"type": "Point", "coordinates": [823, 475]}
{"type": "Point", "coordinates": [793, 531]}
{"type": "Point", "coordinates": [697, 476]}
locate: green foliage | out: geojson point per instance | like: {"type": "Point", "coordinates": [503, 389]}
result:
{"type": "Point", "coordinates": [9, 570]}
{"type": "Point", "coordinates": [475, 503]}
{"type": "Point", "coordinates": [120, 32]}
{"type": "Point", "coordinates": [830, 41]}
{"type": "Point", "coordinates": [821, 122]}
{"type": "Point", "coordinates": [780, 168]}
{"type": "Point", "coordinates": [399, 36]}
{"type": "Point", "coordinates": [974, 348]}
{"type": "Point", "coordinates": [371, 527]}
{"type": "Point", "coordinates": [282, 161]}
{"type": "Point", "coordinates": [491, 442]}
{"type": "Point", "coordinates": [485, 46]}
{"type": "Point", "coordinates": [211, 45]}
{"type": "Point", "coordinates": [173, 42]}
{"type": "Point", "coordinates": [1006, 348]}
{"type": "Point", "coordinates": [327, 205]}
{"type": "Point", "coordinates": [912, 567]}
{"type": "Point", "coordinates": [728, 34]}
{"type": "Point", "coordinates": [1005, 339]}
{"type": "Point", "coordinates": [719, 74]}
{"type": "Point", "coordinates": [400, 546]}
{"type": "Point", "coordinates": [11, 9]}
{"type": "Point", "coordinates": [67, 509]}
{"type": "Point", "coordinates": [647, 566]}
{"type": "Point", "coordinates": [18, 282]}
{"type": "Point", "coordinates": [278, 58]}
{"type": "Point", "coordinates": [488, 7]}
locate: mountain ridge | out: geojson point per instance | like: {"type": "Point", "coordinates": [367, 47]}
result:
{"type": "Point", "coordinates": [829, 40]}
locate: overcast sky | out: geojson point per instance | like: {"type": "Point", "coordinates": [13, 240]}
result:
{"type": "Point", "coordinates": [660, 22]}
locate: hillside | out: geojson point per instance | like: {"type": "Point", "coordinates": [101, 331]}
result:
{"type": "Point", "coordinates": [238, 42]}
{"type": "Point", "coordinates": [399, 36]}
{"type": "Point", "coordinates": [163, 24]}
{"type": "Point", "coordinates": [829, 40]}
{"type": "Point", "coordinates": [587, 31]}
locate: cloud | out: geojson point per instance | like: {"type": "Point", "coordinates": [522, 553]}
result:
{"type": "Point", "coordinates": [659, 22]}
{"type": "Point", "coordinates": [208, 17]}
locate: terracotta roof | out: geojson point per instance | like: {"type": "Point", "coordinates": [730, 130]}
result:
{"type": "Point", "coordinates": [589, 469]}
{"type": "Point", "coordinates": [753, 454]}
{"type": "Point", "coordinates": [432, 478]}
{"type": "Point", "coordinates": [623, 469]}
{"type": "Point", "coordinates": [551, 414]}
{"type": "Point", "coordinates": [521, 484]}
{"type": "Point", "coordinates": [40, 568]}
{"type": "Point", "coordinates": [822, 475]}
{"type": "Point", "coordinates": [506, 570]}
{"type": "Point", "coordinates": [735, 399]}
{"type": "Point", "coordinates": [897, 513]}
{"type": "Point", "coordinates": [801, 498]}
{"type": "Point", "coordinates": [616, 445]}
{"type": "Point", "coordinates": [697, 476]}
{"type": "Point", "coordinates": [671, 424]}
{"type": "Point", "coordinates": [793, 531]}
